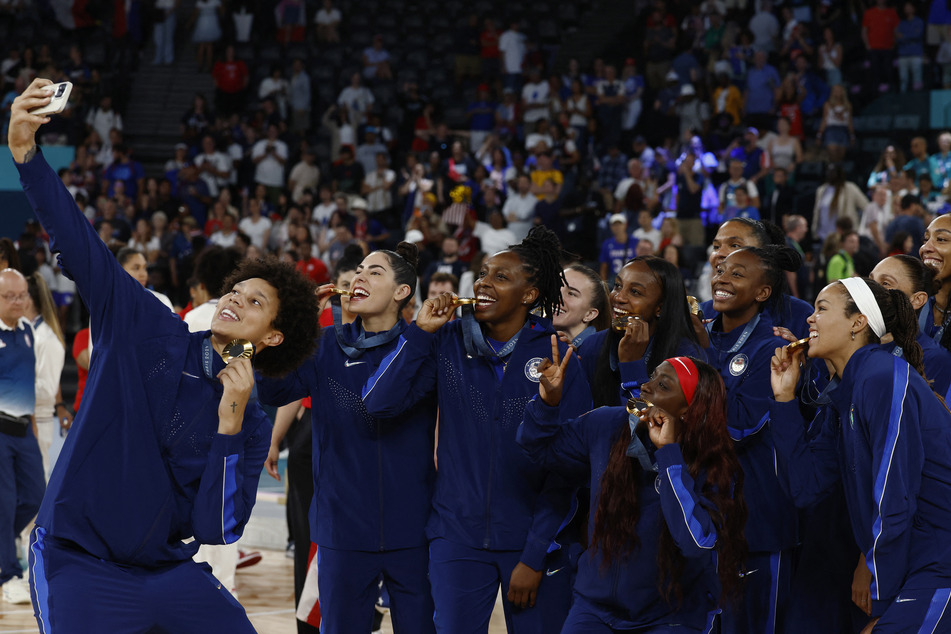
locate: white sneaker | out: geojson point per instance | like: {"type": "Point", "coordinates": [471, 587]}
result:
{"type": "Point", "coordinates": [16, 591]}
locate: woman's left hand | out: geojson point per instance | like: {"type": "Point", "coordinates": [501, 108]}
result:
{"type": "Point", "coordinates": [523, 586]}
{"type": "Point", "coordinates": [663, 427]}
{"type": "Point", "coordinates": [551, 374]}
{"type": "Point", "coordinates": [634, 342]}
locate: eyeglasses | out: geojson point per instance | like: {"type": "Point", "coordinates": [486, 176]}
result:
{"type": "Point", "coordinates": [10, 297]}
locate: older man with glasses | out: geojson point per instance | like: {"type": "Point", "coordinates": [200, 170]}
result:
{"type": "Point", "coordinates": [21, 466]}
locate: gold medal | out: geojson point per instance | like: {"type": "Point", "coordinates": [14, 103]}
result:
{"type": "Point", "coordinates": [342, 292]}
{"type": "Point", "coordinates": [694, 305]}
{"type": "Point", "coordinates": [619, 324]}
{"type": "Point", "coordinates": [238, 348]}
{"type": "Point", "coordinates": [638, 406]}
{"type": "Point", "coordinates": [463, 301]}
{"type": "Point", "coordinates": [795, 345]}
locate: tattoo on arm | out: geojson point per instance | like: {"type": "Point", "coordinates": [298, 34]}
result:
{"type": "Point", "coordinates": [233, 406]}
{"type": "Point", "coordinates": [29, 154]}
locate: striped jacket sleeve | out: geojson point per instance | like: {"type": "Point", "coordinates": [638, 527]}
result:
{"type": "Point", "coordinates": [896, 460]}
{"type": "Point", "coordinates": [684, 509]}
{"type": "Point", "coordinates": [229, 483]}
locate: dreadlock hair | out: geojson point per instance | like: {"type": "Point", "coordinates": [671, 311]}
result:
{"type": "Point", "coordinates": [599, 295]}
{"type": "Point", "coordinates": [774, 261]}
{"type": "Point", "coordinates": [708, 452]}
{"type": "Point", "coordinates": [900, 320]}
{"type": "Point", "coordinates": [43, 302]}
{"type": "Point", "coordinates": [404, 262]}
{"type": "Point", "coordinates": [297, 313]}
{"type": "Point", "coordinates": [673, 327]}
{"type": "Point", "coordinates": [541, 254]}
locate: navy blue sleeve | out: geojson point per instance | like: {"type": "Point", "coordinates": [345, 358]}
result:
{"type": "Point", "coordinates": [554, 503]}
{"type": "Point", "coordinates": [748, 406]}
{"type": "Point", "coordinates": [388, 392]}
{"type": "Point", "coordinates": [685, 510]}
{"type": "Point", "coordinates": [120, 308]}
{"type": "Point", "coordinates": [807, 469]}
{"type": "Point", "coordinates": [551, 443]}
{"type": "Point", "coordinates": [897, 460]}
{"type": "Point", "coordinates": [229, 482]}
{"type": "Point", "coordinates": [633, 375]}
{"type": "Point", "coordinates": [293, 387]}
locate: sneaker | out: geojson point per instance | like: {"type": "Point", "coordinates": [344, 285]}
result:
{"type": "Point", "coordinates": [289, 551]}
{"type": "Point", "coordinates": [16, 591]}
{"type": "Point", "coordinates": [247, 558]}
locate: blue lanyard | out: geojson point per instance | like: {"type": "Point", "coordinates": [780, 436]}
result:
{"type": "Point", "coordinates": [636, 448]}
{"type": "Point", "coordinates": [584, 334]}
{"type": "Point", "coordinates": [208, 365]}
{"type": "Point", "coordinates": [474, 339]}
{"type": "Point", "coordinates": [355, 349]}
{"type": "Point", "coordinates": [747, 331]}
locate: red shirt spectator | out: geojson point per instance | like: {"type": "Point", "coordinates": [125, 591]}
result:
{"type": "Point", "coordinates": [489, 43]}
{"type": "Point", "coordinates": [315, 269]}
{"type": "Point", "coordinates": [879, 24]}
{"type": "Point", "coordinates": [80, 345]}
{"type": "Point", "coordinates": [230, 76]}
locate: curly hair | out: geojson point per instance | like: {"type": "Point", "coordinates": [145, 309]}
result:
{"type": "Point", "coordinates": [296, 318]}
{"type": "Point", "coordinates": [707, 451]}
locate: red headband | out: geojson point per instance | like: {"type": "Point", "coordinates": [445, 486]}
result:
{"type": "Point", "coordinates": [687, 375]}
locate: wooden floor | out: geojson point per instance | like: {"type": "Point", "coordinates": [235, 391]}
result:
{"type": "Point", "coordinates": [266, 591]}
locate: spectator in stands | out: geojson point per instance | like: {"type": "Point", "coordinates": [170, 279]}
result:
{"type": "Point", "coordinates": [269, 156]}
{"type": "Point", "coordinates": [617, 249]}
{"type": "Point", "coordinates": [275, 87]}
{"type": "Point", "coordinates": [611, 101]}
{"type": "Point", "coordinates": [727, 191]}
{"type": "Point", "coordinates": [489, 49]}
{"type": "Point", "coordinates": [194, 194]}
{"type": "Point", "coordinates": [365, 229]}
{"type": "Point", "coordinates": [835, 130]}
{"type": "Point", "coordinates": [103, 120]}
{"type": "Point", "coordinates": [690, 181]}
{"type": "Point", "coordinates": [480, 115]}
{"type": "Point", "coordinates": [910, 36]}
{"type": "Point", "coordinates": [836, 198]}
{"type": "Point", "coordinates": [920, 163]}
{"type": "Point", "coordinates": [214, 166]}
{"type": "Point", "coordinates": [304, 175]}
{"type": "Point", "coordinates": [519, 208]}
{"type": "Point", "coordinates": [888, 167]}
{"type": "Point", "coordinates": [765, 28]}
{"type": "Point", "coordinates": [299, 96]}
{"type": "Point", "coordinates": [376, 61]}
{"type": "Point", "coordinates": [830, 57]}
{"type": "Point", "coordinates": [659, 44]}
{"type": "Point", "coordinates": [207, 30]}
{"type": "Point", "coordinates": [798, 43]}
{"type": "Point", "coordinates": [612, 172]}
{"type": "Point", "coordinates": [842, 264]}
{"type": "Point", "coordinates": [448, 262]}
{"type": "Point", "coordinates": [646, 230]}
{"type": "Point", "coordinates": [909, 217]}
{"type": "Point", "coordinates": [762, 80]}
{"type": "Point", "coordinates": [357, 98]}
{"type": "Point", "coordinates": [231, 83]}
{"type": "Point", "coordinates": [548, 208]}
{"type": "Point", "coordinates": [367, 151]}
{"type": "Point", "coordinates": [196, 121]}
{"type": "Point", "coordinates": [780, 199]}
{"type": "Point", "coordinates": [327, 20]}
{"type": "Point", "coordinates": [783, 150]}
{"type": "Point", "coordinates": [544, 172]}
{"type": "Point", "coordinates": [256, 225]}
{"type": "Point", "coordinates": [512, 47]}
{"type": "Point", "coordinates": [752, 156]}
{"type": "Point", "coordinates": [741, 207]}
{"type": "Point", "coordinates": [878, 34]}
{"type": "Point", "coordinates": [163, 32]}
{"type": "Point", "coordinates": [347, 173]}
{"type": "Point", "coordinates": [875, 218]}
{"type": "Point", "coordinates": [466, 48]}
{"type": "Point", "coordinates": [536, 95]}
{"type": "Point", "coordinates": [727, 98]}
{"type": "Point", "coordinates": [290, 20]}
{"type": "Point", "coordinates": [694, 113]}
{"type": "Point", "coordinates": [493, 234]}
{"type": "Point", "coordinates": [941, 162]}
{"type": "Point", "coordinates": [378, 185]}
{"type": "Point", "coordinates": [124, 169]}
{"type": "Point", "coordinates": [541, 135]}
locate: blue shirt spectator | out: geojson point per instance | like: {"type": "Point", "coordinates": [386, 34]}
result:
{"type": "Point", "coordinates": [761, 80]}
{"type": "Point", "coordinates": [613, 169]}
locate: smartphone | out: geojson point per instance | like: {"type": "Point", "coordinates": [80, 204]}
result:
{"type": "Point", "coordinates": [56, 105]}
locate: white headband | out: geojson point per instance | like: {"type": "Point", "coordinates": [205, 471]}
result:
{"type": "Point", "coordinates": [865, 301]}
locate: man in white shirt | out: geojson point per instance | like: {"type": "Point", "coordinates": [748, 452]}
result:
{"type": "Point", "coordinates": [378, 185]}
{"type": "Point", "coordinates": [214, 167]}
{"type": "Point", "coordinates": [256, 226]}
{"type": "Point", "coordinates": [304, 175]}
{"type": "Point", "coordinates": [327, 20]}
{"type": "Point", "coordinates": [357, 98]}
{"type": "Point", "coordinates": [765, 28]}
{"type": "Point", "coordinates": [636, 175]}
{"type": "Point", "coordinates": [493, 235]}
{"type": "Point", "coordinates": [519, 208]}
{"type": "Point", "coordinates": [269, 156]}
{"type": "Point", "coordinates": [104, 119]}
{"type": "Point", "coordinates": [512, 47]}
{"type": "Point", "coordinates": [535, 97]}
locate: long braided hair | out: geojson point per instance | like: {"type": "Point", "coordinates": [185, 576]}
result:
{"type": "Point", "coordinates": [542, 255]}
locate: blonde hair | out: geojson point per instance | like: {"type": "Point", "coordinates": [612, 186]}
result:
{"type": "Point", "coordinates": [43, 302]}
